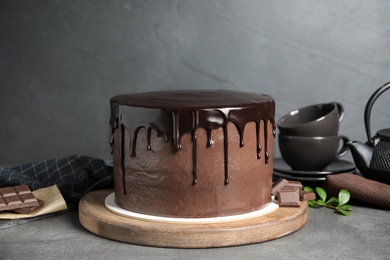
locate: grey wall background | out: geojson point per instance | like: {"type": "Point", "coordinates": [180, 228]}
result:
{"type": "Point", "coordinates": [61, 62]}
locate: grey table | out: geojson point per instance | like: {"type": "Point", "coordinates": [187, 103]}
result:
{"type": "Point", "coordinates": [365, 234]}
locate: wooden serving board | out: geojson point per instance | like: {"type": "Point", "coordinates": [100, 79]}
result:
{"type": "Point", "coordinates": [96, 218]}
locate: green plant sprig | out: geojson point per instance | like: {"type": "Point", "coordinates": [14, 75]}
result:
{"type": "Point", "coordinates": [339, 204]}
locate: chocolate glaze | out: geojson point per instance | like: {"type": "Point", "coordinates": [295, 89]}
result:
{"type": "Point", "coordinates": [175, 113]}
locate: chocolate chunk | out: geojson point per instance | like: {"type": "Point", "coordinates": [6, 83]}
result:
{"type": "Point", "coordinates": [297, 184]}
{"type": "Point", "coordinates": [278, 185]}
{"type": "Point", "coordinates": [288, 198]}
{"type": "Point", "coordinates": [305, 195]}
{"type": "Point", "coordinates": [17, 197]}
{"type": "Point", "coordinates": [291, 188]}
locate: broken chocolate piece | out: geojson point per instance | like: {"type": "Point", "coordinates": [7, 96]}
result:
{"type": "Point", "coordinates": [291, 188]}
{"type": "Point", "coordinates": [297, 184]}
{"type": "Point", "coordinates": [29, 210]}
{"type": "Point", "coordinates": [288, 198]}
{"type": "Point", "coordinates": [278, 185]}
{"type": "Point", "coordinates": [306, 195]}
{"type": "Point", "coordinates": [17, 197]}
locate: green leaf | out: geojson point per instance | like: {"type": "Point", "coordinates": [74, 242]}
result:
{"type": "Point", "coordinates": [338, 204]}
{"type": "Point", "coordinates": [344, 197]}
{"type": "Point", "coordinates": [344, 212]}
{"type": "Point", "coordinates": [333, 201]}
{"type": "Point", "coordinates": [308, 189]}
{"type": "Point", "coordinates": [321, 192]}
{"type": "Point", "coordinates": [345, 207]}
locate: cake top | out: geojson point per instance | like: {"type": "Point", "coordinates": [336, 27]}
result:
{"type": "Point", "coordinates": [174, 99]}
{"type": "Point", "coordinates": [176, 112]}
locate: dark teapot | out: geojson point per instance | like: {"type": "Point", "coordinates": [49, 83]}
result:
{"type": "Point", "coordinates": [373, 158]}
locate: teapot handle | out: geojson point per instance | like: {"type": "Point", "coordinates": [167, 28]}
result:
{"type": "Point", "coordinates": [367, 111]}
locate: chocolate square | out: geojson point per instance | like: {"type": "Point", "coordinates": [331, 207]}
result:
{"type": "Point", "coordinates": [288, 198]}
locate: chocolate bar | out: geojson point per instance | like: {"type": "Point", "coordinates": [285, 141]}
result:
{"type": "Point", "coordinates": [288, 198]}
{"type": "Point", "coordinates": [17, 197]}
{"type": "Point", "coordinates": [29, 210]}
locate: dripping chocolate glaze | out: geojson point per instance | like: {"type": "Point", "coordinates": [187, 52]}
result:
{"type": "Point", "coordinates": [175, 113]}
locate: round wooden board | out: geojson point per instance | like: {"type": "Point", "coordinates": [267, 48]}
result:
{"type": "Point", "coordinates": [96, 218]}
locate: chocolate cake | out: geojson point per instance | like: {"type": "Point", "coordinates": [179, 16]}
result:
{"type": "Point", "coordinates": [193, 153]}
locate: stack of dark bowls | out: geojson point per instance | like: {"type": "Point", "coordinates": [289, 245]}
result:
{"type": "Point", "coordinates": [310, 143]}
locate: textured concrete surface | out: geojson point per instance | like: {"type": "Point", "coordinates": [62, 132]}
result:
{"type": "Point", "coordinates": [365, 234]}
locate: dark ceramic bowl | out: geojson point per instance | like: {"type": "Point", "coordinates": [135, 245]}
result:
{"type": "Point", "coordinates": [314, 120]}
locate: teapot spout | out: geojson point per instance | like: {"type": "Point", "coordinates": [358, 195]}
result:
{"type": "Point", "coordinates": [361, 154]}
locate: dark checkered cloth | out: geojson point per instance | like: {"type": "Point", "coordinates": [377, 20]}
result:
{"type": "Point", "coordinates": [74, 175]}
